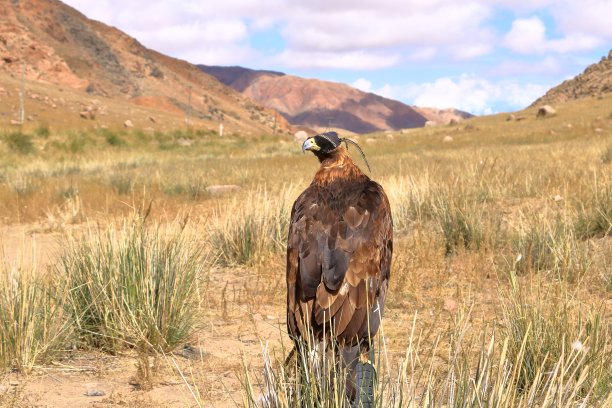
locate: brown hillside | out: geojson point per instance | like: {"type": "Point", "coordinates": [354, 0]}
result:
{"type": "Point", "coordinates": [62, 47]}
{"type": "Point", "coordinates": [316, 103]}
{"type": "Point", "coordinates": [596, 80]}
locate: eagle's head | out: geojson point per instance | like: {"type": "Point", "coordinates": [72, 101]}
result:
{"type": "Point", "coordinates": [327, 145]}
{"type": "Point", "coordinates": [323, 144]}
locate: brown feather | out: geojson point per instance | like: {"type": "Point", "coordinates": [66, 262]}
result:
{"type": "Point", "coordinates": [338, 253]}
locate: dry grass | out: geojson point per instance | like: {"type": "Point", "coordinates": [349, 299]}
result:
{"type": "Point", "coordinates": [502, 248]}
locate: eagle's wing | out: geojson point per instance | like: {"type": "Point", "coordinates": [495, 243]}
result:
{"type": "Point", "coordinates": [338, 263]}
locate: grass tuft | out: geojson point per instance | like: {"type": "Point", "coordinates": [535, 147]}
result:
{"type": "Point", "coordinates": [136, 286]}
{"type": "Point", "coordinates": [241, 234]}
{"type": "Point", "coordinates": [33, 323]}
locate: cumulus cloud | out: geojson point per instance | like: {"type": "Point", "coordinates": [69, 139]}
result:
{"type": "Point", "coordinates": [355, 60]}
{"type": "Point", "coordinates": [362, 84]}
{"type": "Point", "coordinates": [528, 36]}
{"type": "Point", "coordinates": [469, 93]}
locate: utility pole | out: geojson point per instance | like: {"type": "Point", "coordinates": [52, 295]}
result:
{"type": "Point", "coordinates": [188, 118]}
{"type": "Point", "coordinates": [21, 113]}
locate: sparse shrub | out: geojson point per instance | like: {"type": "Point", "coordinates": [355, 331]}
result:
{"type": "Point", "coordinates": [33, 322]}
{"type": "Point", "coordinates": [135, 286]}
{"type": "Point", "coordinates": [312, 378]}
{"type": "Point", "coordinates": [123, 182]}
{"type": "Point", "coordinates": [550, 246]}
{"type": "Point", "coordinates": [22, 184]}
{"type": "Point", "coordinates": [242, 233]}
{"type": "Point", "coordinates": [606, 155]}
{"type": "Point", "coordinates": [464, 220]}
{"type": "Point", "coordinates": [113, 139]}
{"type": "Point", "coordinates": [194, 188]}
{"type": "Point", "coordinates": [551, 335]}
{"type": "Point", "coordinates": [43, 131]}
{"type": "Point", "coordinates": [595, 214]}
{"type": "Point", "coordinates": [20, 142]}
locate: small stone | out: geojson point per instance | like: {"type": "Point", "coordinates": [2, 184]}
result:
{"type": "Point", "coordinates": [128, 124]}
{"type": "Point", "coordinates": [13, 383]}
{"type": "Point", "coordinates": [598, 130]}
{"type": "Point", "coordinates": [152, 119]}
{"type": "Point", "coordinates": [557, 198]}
{"type": "Point", "coordinates": [510, 117]}
{"type": "Point", "coordinates": [95, 393]}
{"type": "Point", "coordinates": [370, 141]}
{"type": "Point", "coordinates": [390, 136]}
{"type": "Point", "coordinates": [447, 139]}
{"type": "Point", "coordinates": [193, 353]}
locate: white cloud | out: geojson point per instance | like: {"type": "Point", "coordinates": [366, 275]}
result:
{"type": "Point", "coordinates": [362, 84]}
{"type": "Point", "coordinates": [341, 60]}
{"type": "Point", "coordinates": [589, 17]}
{"type": "Point", "coordinates": [358, 34]}
{"type": "Point", "coordinates": [469, 93]}
{"type": "Point", "coordinates": [528, 36]}
{"type": "Point", "coordinates": [549, 66]}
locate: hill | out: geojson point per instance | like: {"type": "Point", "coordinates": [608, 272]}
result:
{"type": "Point", "coordinates": [316, 103]}
{"type": "Point", "coordinates": [53, 45]}
{"type": "Point", "coordinates": [596, 80]}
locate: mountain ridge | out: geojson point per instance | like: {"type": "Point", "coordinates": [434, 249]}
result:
{"type": "Point", "coordinates": [318, 103]}
{"type": "Point", "coordinates": [594, 81]}
{"type": "Point", "coordinates": [50, 42]}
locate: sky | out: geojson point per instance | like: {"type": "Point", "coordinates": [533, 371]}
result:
{"type": "Point", "coordinates": [481, 56]}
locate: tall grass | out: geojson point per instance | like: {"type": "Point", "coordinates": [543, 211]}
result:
{"type": "Point", "coordinates": [492, 368]}
{"type": "Point", "coordinates": [595, 213]}
{"type": "Point", "coordinates": [250, 227]}
{"type": "Point", "coordinates": [551, 334]}
{"type": "Point", "coordinates": [550, 246]}
{"type": "Point", "coordinates": [133, 287]}
{"type": "Point", "coordinates": [33, 322]}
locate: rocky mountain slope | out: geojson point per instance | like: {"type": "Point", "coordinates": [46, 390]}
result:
{"type": "Point", "coordinates": [594, 81]}
{"type": "Point", "coordinates": [53, 44]}
{"type": "Point", "coordinates": [316, 103]}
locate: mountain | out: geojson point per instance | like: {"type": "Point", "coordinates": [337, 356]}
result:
{"type": "Point", "coordinates": [596, 80]}
{"type": "Point", "coordinates": [53, 44]}
{"type": "Point", "coordinates": [315, 103]}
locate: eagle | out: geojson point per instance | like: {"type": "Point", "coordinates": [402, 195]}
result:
{"type": "Point", "coordinates": [339, 250]}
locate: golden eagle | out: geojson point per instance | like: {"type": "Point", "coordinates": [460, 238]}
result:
{"type": "Point", "coordinates": [338, 254]}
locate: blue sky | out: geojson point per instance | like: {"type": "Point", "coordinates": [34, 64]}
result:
{"type": "Point", "coordinates": [482, 56]}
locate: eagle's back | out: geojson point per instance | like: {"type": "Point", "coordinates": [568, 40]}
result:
{"type": "Point", "coordinates": [338, 257]}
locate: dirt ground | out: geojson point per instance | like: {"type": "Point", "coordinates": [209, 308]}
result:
{"type": "Point", "coordinates": [244, 312]}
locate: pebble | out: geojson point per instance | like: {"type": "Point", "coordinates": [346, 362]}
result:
{"type": "Point", "coordinates": [94, 393]}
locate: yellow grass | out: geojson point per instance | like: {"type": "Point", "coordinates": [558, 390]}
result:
{"type": "Point", "coordinates": [483, 224]}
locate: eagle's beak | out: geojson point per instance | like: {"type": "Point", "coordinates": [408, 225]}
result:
{"type": "Point", "coordinates": [310, 144]}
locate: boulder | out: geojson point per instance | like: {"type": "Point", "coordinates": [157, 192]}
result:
{"type": "Point", "coordinates": [546, 111]}
{"type": "Point", "coordinates": [511, 117]}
